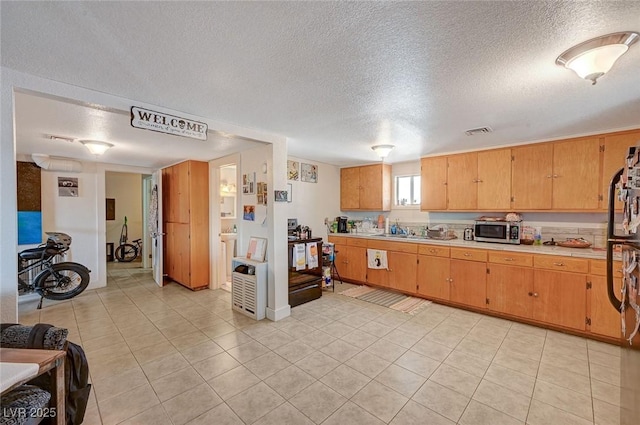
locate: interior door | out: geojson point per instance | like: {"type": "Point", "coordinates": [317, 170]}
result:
{"type": "Point", "coordinates": [155, 226]}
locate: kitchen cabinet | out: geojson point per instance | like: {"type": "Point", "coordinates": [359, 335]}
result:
{"type": "Point", "coordinates": [531, 177]}
{"type": "Point", "coordinates": [433, 268]}
{"type": "Point", "coordinates": [510, 290]}
{"type": "Point", "coordinates": [351, 258]}
{"type": "Point", "coordinates": [462, 181]}
{"type": "Point", "coordinates": [186, 223]}
{"type": "Point", "coordinates": [402, 266]}
{"type": "Point", "coordinates": [615, 147]}
{"type": "Point", "coordinates": [366, 188]}
{"type": "Point", "coordinates": [560, 298]}
{"type": "Point", "coordinates": [605, 319]}
{"type": "Point", "coordinates": [556, 176]}
{"type": "Point", "coordinates": [433, 183]}
{"type": "Point", "coordinates": [479, 180]}
{"type": "Point", "coordinates": [576, 165]}
{"type": "Point", "coordinates": [468, 283]}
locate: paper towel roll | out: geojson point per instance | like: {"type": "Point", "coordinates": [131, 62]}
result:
{"type": "Point", "coordinates": [386, 225]}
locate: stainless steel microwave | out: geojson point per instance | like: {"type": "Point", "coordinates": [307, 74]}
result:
{"type": "Point", "coordinates": [498, 231]}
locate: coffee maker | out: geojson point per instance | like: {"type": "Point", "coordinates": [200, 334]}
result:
{"type": "Point", "coordinates": [342, 224]}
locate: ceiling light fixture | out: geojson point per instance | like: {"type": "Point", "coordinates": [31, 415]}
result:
{"type": "Point", "coordinates": [382, 150]}
{"type": "Point", "coordinates": [594, 58]}
{"type": "Point", "coordinates": [96, 147]}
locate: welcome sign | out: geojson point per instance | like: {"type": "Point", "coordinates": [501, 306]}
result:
{"type": "Point", "coordinates": [165, 123]}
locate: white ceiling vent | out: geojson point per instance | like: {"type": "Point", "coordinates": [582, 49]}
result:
{"type": "Point", "coordinates": [480, 130]}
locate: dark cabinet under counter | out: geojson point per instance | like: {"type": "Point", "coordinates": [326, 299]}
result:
{"type": "Point", "coordinates": [306, 284]}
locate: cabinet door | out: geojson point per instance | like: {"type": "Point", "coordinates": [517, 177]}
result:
{"type": "Point", "coordinates": [462, 181]}
{"type": "Point", "coordinates": [433, 277]}
{"type": "Point", "coordinates": [510, 290]}
{"type": "Point", "coordinates": [616, 148]}
{"type": "Point", "coordinates": [494, 179]}
{"type": "Point", "coordinates": [180, 187]}
{"type": "Point", "coordinates": [531, 177]}
{"type": "Point", "coordinates": [402, 271]}
{"type": "Point", "coordinates": [576, 175]}
{"type": "Point", "coordinates": [560, 298]}
{"type": "Point", "coordinates": [357, 263]}
{"type": "Point", "coordinates": [349, 188]}
{"type": "Point", "coordinates": [605, 319]}
{"type": "Point", "coordinates": [433, 182]}
{"type": "Point", "coordinates": [375, 187]}
{"type": "Point", "coordinates": [469, 283]}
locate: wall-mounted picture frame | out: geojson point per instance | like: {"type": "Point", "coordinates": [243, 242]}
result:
{"type": "Point", "coordinates": [309, 173]}
{"type": "Point", "coordinates": [249, 213]}
{"type": "Point", "coordinates": [110, 209]}
{"type": "Point", "coordinates": [249, 184]}
{"type": "Point", "coordinates": [257, 249]}
{"type": "Point", "coordinates": [280, 195]}
{"type": "Point", "coordinates": [292, 170]}
{"type": "Point", "coordinates": [289, 192]}
{"type": "Point", "coordinates": [68, 186]}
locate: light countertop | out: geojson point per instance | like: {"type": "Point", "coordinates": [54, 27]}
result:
{"type": "Point", "coordinates": [593, 253]}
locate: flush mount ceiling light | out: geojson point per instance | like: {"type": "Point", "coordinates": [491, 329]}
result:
{"type": "Point", "coordinates": [594, 58]}
{"type": "Point", "coordinates": [96, 147]}
{"type": "Point", "coordinates": [382, 150]}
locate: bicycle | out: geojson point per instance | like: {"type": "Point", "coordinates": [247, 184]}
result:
{"type": "Point", "coordinates": [127, 252]}
{"type": "Point", "coordinates": [53, 280]}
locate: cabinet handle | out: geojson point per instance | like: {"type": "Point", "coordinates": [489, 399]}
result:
{"type": "Point", "coordinates": [533, 294]}
{"type": "Point", "coordinates": [479, 181]}
{"type": "Point", "coordinates": [555, 176]}
{"type": "Point", "coordinates": [549, 176]}
{"type": "Point", "coordinates": [508, 259]}
{"type": "Point", "coordinates": [466, 254]}
{"type": "Point", "coordinates": [433, 251]}
{"type": "Point", "coordinates": [390, 270]}
{"type": "Point", "coordinates": [559, 264]}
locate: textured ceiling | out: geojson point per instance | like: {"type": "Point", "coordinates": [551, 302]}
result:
{"type": "Point", "coordinates": [339, 77]}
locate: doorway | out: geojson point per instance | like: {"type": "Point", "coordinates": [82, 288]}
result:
{"type": "Point", "coordinates": [228, 222]}
{"type": "Point", "coordinates": [126, 233]}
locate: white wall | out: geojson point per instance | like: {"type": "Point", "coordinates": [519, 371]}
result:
{"type": "Point", "coordinates": [126, 189]}
{"type": "Point", "coordinates": [312, 202]}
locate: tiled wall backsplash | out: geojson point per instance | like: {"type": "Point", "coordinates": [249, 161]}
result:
{"type": "Point", "coordinates": [596, 236]}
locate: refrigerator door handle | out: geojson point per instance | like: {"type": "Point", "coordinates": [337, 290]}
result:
{"type": "Point", "coordinates": [612, 240]}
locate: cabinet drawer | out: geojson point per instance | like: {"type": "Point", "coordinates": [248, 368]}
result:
{"type": "Point", "coordinates": [566, 264]}
{"type": "Point", "coordinates": [338, 239]}
{"type": "Point", "coordinates": [357, 242]}
{"type": "Point", "coordinates": [469, 254]}
{"type": "Point", "coordinates": [410, 248]}
{"type": "Point", "coordinates": [434, 250]}
{"type": "Point", "coordinates": [599, 268]}
{"type": "Point", "coordinates": [511, 258]}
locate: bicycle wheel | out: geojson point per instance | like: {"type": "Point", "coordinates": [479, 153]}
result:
{"type": "Point", "coordinates": [126, 252]}
{"type": "Point", "coordinates": [66, 281]}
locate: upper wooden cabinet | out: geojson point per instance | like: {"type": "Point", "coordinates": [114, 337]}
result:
{"type": "Point", "coordinates": [556, 176]}
{"type": "Point", "coordinates": [433, 183]}
{"type": "Point", "coordinates": [615, 149]}
{"type": "Point", "coordinates": [186, 223]}
{"type": "Point", "coordinates": [531, 177]}
{"type": "Point", "coordinates": [366, 188]}
{"type": "Point", "coordinates": [565, 175]}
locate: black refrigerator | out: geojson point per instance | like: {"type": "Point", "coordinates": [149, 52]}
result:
{"type": "Point", "coordinates": [623, 234]}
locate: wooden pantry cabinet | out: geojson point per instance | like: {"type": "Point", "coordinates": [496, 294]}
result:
{"type": "Point", "coordinates": [366, 188]}
{"type": "Point", "coordinates": [186, 223]}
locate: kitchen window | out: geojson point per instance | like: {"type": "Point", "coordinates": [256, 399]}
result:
{"type": "Point", "coordinates": [407, 191]}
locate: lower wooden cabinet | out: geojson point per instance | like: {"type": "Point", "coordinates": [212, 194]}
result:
{"type": "Point", "coordinates": [510, 290]}
{"type": "Point", "coordinates": [433, 277]}
{"type": "Point", "coordinates": [560, 298]}
{"type": "Point", "coordinates": [402, 271]}
{"type": "Point", "coordinates": [351, 262]}
{"type": "Point", "coordinates": [605, 319]}
{"type": "Point", "coordinates": [468, 283]}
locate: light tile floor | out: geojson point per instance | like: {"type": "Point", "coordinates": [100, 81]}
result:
{"type": "Point", "coordinates": [171, 356]}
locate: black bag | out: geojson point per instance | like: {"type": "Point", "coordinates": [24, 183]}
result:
{"type": "Point", "coordinates": [76, 376]}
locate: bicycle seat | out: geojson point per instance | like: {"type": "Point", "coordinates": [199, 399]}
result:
{"type": "Point", "coordinates": [32, 253]}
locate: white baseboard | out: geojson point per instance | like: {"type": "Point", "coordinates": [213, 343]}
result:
{"type": "Point", "coordinates": [278, 314]}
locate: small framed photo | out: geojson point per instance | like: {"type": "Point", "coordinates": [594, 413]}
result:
{"type": "Point", "coordinates": [280, 195]}
{"type": "Point", "coordinates": [257, 248]}
{"type": "Point", "coordinates": [309, 173]}
{"type": "Point", "coordinates": [248, 184]}
{"type": "Point", "coordinates": [249, 213]}
{"type": "Point", "coordinates": [292, 170]}
{"type": "Point", "coordinates": [68, 186]}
